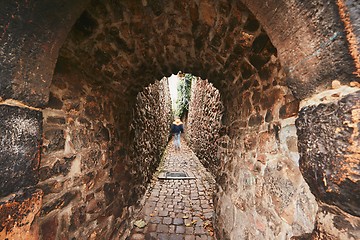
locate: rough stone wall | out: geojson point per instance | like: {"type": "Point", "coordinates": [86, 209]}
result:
{"type": "Point", "coordinates": [18, 214]}
{"type": "Point", "coordinates": [319, 27]}
{"type": "Point", "coordinates": [116, 39]}
{"type": "Point", "coordinates": [84, 170]}
{"type": "Point", "coordinates": [20, 153]}
{"type": "Point", "coordinates": [32, 32]}
{"type": "Point", "coordinates": [150, 129]}
{"type": "Point", "coordinates": [204, 123]}
{"type": "Point", "coordinates": [328, 130]}
{"type": "Point", "coordinates": [261, 194]}
{"type": "Point", "coordinates": [94, 170]}
{"type": "Point", "coordinates": [316, 42]}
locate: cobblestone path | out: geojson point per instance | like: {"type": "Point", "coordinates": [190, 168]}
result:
{"type": "Point", "coordinates": [177, 209]}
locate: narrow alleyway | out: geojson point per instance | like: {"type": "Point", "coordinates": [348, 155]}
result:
{"type": "Point", "coordinates": [177, 208]}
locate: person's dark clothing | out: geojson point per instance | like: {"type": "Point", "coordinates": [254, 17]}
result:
{"type": "Point", "coordinates": [177, 128]}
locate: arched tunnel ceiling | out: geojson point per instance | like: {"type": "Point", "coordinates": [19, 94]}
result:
{"type": "Point", "coordinates": [145, 40]}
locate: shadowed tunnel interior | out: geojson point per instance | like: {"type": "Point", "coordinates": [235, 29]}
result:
{"type": "Point", "coordinates": [85, 117]}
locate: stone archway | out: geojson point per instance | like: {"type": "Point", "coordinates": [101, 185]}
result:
{"type": "Point", "coordinates": [323, 39]}
{"type": "Point", "coordinates": [303, 46]}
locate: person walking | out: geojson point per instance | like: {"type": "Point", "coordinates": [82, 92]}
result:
{"type": "Point", "coordinates": [176, 129]}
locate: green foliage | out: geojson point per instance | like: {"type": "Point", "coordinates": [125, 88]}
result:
{"type": "Point", "coordinates": [184, 92]}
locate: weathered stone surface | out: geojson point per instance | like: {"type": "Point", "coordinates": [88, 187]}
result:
{"type": "Point", "coordinates": [56, 139]}
{"type": "Point", "coordinates": [54, 102]}
{"type": "Point", "coordinates": [303, 63]}
{"type": "Point", "coordinates": [117, 48]}
{"type": "Point", "coordinates": [332, 223]}
{"type": "Point", "coordinates": [289, 110]}
{"type": "Point", "coordinates": [55, 120]}
{"type": "Point", "coordinates": [20, 138]}
{"type": "Point", "coordinates": [329, 151]}
{"type": "Point", "coordinates": [17, 215]}
{"type": "Point", "coordinates": [49, 228]}
{"type": "Point", "coordinates": [78, 217]}
{"type": "Point", "coordinates": [85, 151]}
{"type": "Point", "coordinates": [61, 202]}
{"type": "Point", "coordinates": [255, 120]}
{"type": "Point", "coordinates": [52, 186]}
{"type": "Point", "coordinates": [34, 39]}
{"type": "Point", "coordinates": [259, 179]}
{"type": "Point", "coordinates": [197, 27]}
{"type": "Point", "coordinates": [151, 123]}
{"type": "Point", "coordinates": [204, 123]}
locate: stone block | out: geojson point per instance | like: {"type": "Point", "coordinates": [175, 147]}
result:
{"type": "Point", "coordinates": [55, 120]}
{"type": "Point", "coordinates": [20, 137]}
{"type": "Point", "coordinates": [329, 143]}
{"type": "Point", "coordinates": [49, 228]}
{"type": "Point", "coordinates": [56, 139]}
{"type": "Point", "coordinates": [267, 143]}
{"type": "Point", "coordinates": [91, 160]}
{"type": "Point", "coordinates": [255, 120]}
{"type": "Point", "coordinates": [60, 202]}
{"type": "Point", "coordinates": [289, 110]}
{"type": "Point", "coordinates": [78, 217]}
{"type": "Point", "coordinates": [332, 223]}
{"type": "Point", "coordinates": [54, 102]}
{"type": "Point", "coordinates": [102, 133]}
{"type": "Point", "coordinates": [44, 173]}
{"type": "Point", "coordinates": [18, 214]}
{"type": "Point", "coordinates": [92, 108]}
{"type": "Point", "coordinates": [250, 142]}
{"type": "Point", "coordinates": [61, 167]}
{"type": "Point", "coordinates": [52, 186]}
{"type": "Point", "coordinates": [279, 187]}
{"type": "Point", "coordinates": [269, 117]}
{"type": "Point", "coordinates": [110, 190]}
{"type": "Point", "coordinates": [291, 143]}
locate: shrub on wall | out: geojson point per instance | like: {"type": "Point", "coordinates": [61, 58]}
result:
{"type": "Point", "coordinates": [184, 94]}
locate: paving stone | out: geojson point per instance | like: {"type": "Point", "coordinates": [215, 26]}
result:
{"type": "Point", "coordinates": [155, 220]}
{"type": "Point", "coordinates": [171, 228]}
{"type": "Point", "coordinates": [189, 237]}
{"type": "Point", "coordinates": [163, 213]}
{"type": "Point", "coordinates": [151, 236]}
{"type": "Point", "coordinates": [151, 227]}
{"type": "Point", "coordinates": [163, 236]}
{"type": "Point", "coordinates": [199, 230]}
{"type": "Point", "coordinates": [138, 236]}
{"type": "Point", "coordinates": [176, 237]}
{"type": "Point", "coordinates": [180, 229]}
{"type": "Point", "coordinates": [162, 228]}
{"type": "Point", "coordinates": [171, 200]}
{"type": "Point", "coordinates": [189, 230]}
{"type": "Point", "coordinates": [201, 237]}
{"type": "Point", "coordinates": [167, 220]}
{"type": "Point", "coordinates": [178, 221]}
